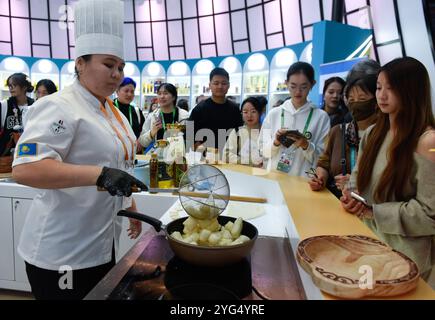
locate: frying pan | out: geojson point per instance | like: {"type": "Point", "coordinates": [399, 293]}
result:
{"type": "Point", "coordinates": [201, 255]}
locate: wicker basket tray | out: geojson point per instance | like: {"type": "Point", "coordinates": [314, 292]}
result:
{"type": "Point", "coordinates": [354, 267]}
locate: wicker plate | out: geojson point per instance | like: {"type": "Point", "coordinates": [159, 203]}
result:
{"type": "Point", "coordinates": [341, 266]}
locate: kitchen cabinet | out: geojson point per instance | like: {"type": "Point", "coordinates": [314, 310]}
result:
{"type": "Point", "coordinates": [12, 267]}
{"type": "Point", "coordinates": [6, 241]}
{"type": "Point", "coordinates": [20, 208]}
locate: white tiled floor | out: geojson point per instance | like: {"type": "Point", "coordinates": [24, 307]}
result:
{"type": "Point", "coordinates": [15, 295]}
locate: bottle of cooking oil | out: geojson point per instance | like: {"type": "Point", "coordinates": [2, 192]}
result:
{"type": "Point", "coordinates": [154, 168]}
{"type": "Point", "coordinates": [179, 168]}
{"type": "Point", "coordinates": [164, 172]}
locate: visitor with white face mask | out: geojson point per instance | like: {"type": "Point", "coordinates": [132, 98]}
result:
{"type": "Point", "coordinates": [339, 159]}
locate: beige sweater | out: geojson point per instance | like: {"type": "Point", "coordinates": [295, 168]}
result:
{"type": "Point", "coordinates": [407, 226]}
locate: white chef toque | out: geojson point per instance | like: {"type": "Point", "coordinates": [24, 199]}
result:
{"type": "Point", "coordinates": [99, 27]}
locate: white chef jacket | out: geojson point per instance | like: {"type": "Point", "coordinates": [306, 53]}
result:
{"type": "Point", "coordinates": [73, 226]}
{"type": "Point", "coordinates": [295, 120]}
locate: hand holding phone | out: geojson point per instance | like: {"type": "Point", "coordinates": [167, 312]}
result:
{"type": "Point", "coordinates": [359, 198]}
{"type": "Point", "coordinates": [296, 134]}
{"type": "Point", "coordinates": [290, 137]}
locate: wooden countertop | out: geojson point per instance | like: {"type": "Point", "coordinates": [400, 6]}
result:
{"type": "Point", "coordinates": [320, 213]}
{"type": "Point", "coordinates": [6, 175]}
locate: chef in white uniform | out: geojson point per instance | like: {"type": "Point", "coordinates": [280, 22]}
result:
{"type": "Point", "coordinates": [296, 114]}
{"type": "Point", "coordinates": [76, 140]}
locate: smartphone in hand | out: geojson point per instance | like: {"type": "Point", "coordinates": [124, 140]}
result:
{"type": "Point", "coordinates": [359, 198]}
{"type": "Point", "coordinates": [288, 138]}
{"type": "Point", "coordinates": [295, 133]}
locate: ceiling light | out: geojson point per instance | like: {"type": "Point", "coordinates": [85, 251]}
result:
{"type": "Point", "coordinates": [129, 69]}
{"type": "Point", "coordinates": [45, 66]}
{"type": "Point", "coordinates": [307, 54]}
{"type": "Point", "coordinates": [256, 62]}
{"type": "Point", "coordinates": [204, 67]}
{"type": "Point", "coordinates": [153, 69]}
{"type": "Point", "coordinates": [231, 64]}
{"type": "Point", "coordinates": [71, 66]}
{"type": "Point", "coordinates": [14, 64]}
{"type": "Point", "coordinates": [285, 58]}
{"type": "Point", "coordinates": [178, 69]}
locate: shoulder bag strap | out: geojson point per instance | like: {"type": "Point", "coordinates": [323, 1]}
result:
{"type": "Point", "coordinates": [343, 149]}
{"type": "Point", "coordinates": [138, 114]}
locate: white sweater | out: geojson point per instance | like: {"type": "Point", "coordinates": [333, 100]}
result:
{"type": "Point", "coordinates": [295, 120]}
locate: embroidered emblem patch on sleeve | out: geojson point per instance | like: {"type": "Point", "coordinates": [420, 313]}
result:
{"type": "Point", "coordinates": [27, 150]}
{"type": "Point", "coordinates": [57, 127]}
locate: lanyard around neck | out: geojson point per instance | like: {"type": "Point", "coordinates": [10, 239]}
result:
{"type": "Point", "coordinates": [129, 111]}
{"type": "Point", "coordinates": [163, 118]}
{"type": "Point", "coordinates": [118, 118]}
{"type": "Point", "coordinates": [307, 123]}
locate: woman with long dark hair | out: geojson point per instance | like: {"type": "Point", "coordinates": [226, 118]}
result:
{"type": "Point", "coordinates": [396, 165]}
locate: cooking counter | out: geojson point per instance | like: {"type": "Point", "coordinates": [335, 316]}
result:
{"type": "Point", "coordinates": [292, 209]}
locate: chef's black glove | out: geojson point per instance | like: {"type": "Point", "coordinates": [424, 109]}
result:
{"type": "Point", "coordinates": [118, 182]}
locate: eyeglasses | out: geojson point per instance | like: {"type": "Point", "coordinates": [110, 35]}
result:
{"type": "Point", "coordinates": [302, 88]}
{"type": "Point", "coordinates": [312, 173]}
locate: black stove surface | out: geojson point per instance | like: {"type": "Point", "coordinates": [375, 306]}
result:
{"type": "Point", "coordinates": [158, 275]}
